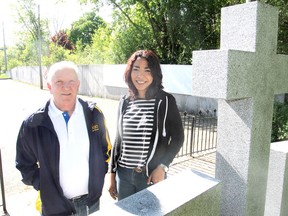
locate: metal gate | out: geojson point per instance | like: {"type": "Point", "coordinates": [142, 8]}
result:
{"type": "Point", "coordinates": [200, 135]}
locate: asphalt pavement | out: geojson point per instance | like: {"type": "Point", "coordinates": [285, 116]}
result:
{"type": "Point", "coordinates": [18, 100]}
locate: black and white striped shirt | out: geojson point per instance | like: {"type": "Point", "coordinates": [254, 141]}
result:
{"type": "Point", "coordinates": [137, 130]}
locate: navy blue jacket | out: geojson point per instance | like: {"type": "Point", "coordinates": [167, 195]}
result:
{"type": "Point", "coordinates": [38, 152]}
{"type": "Point", "coordinates": [167, 135]}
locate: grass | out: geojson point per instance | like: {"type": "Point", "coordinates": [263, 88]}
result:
{"type": "Point", "coordinates": [3, 76]}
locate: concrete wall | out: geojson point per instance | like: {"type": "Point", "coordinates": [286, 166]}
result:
{"type": "Point", "coordinates": [106, 81]}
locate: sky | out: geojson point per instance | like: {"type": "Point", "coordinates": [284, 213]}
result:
{"type": "Point", "coordinates": [61, 16]}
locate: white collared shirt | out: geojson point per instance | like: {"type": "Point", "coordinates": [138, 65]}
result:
{"type": "Point", "coordinates": [74, 150]}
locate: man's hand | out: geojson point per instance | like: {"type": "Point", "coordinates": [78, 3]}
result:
{"type": "Point", "coordinates": [112, 187]}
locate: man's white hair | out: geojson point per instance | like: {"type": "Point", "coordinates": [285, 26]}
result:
{"type": "Point", "coordinates": [59, 66]}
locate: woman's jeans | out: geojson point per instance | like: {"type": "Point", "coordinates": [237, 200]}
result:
{"type": "Point", "coordinates": [129, 182]}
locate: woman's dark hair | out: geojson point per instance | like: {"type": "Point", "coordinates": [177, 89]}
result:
{"type": "Point", "coordinates": [154, 66]}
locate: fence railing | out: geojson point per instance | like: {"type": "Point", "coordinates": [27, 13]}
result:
{"type": "Point", "coordinates": [2, 187]}
{"type": "Point", "coordinates": [200, 135]}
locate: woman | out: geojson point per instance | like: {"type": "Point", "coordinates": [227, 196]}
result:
{"type": "Point", "coordinates": [149, 132]}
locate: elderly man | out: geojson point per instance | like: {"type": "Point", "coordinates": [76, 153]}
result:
{"type": "Point", "coordinates": [63, 149]}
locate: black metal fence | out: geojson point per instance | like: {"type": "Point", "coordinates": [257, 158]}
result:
{"type": "Point", "coordinates": [200, 135]}
{"type": "Point", "coordinates": [2, 187]}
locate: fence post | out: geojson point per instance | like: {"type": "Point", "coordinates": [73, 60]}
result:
{"type": "Point", "coordinates": [192, 136]}
{"type": "Point", "coordinates": [2, 186]}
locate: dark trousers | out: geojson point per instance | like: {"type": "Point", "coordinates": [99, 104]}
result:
{"type": "Point", "coordinates": [81, 207]}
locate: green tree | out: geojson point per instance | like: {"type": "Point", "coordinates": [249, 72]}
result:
{"type": "Point", "coordinates": [27, 13]}
{"type": "Point", "coordinates": [83, 29]}
{"type": "Point", "coordinates": [172, 28]}
{"type": "Point", "coordinates": [100, 51]}
{"type": "Point", "coordinates": [129, 36]}
{"type": "Point", "coordinates": [279, 122]}
{"type": "Point", "coordinates": [28, 45]}
{"type": "Point", "coordinates": [14, 57]}
{"type": "Point", "coordinates": [2, 66]}
{"type": "Point", "coordinates": [56, 53]}
{"type": "Point", "coordinates": [282, 5]}
{"type": "Point", "coordinates": [175, 28]}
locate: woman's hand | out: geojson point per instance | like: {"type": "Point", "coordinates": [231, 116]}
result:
{"type": "Point", "coordinates": [156, 176]}
{"type": "Point", "coordinates": [112, 187]}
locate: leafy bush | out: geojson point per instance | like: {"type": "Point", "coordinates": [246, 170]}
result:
{"type": "Point", "coordinates": [57, 53]}
{"type": "Point", "coordinates": [280, 122]}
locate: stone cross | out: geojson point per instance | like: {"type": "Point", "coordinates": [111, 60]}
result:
{"type": "Point", "coordinates": [244, 75]}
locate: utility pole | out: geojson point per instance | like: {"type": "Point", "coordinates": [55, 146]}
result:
{"type": "Point", "coordinates": [4, 49]}
{"type": "Point", "coordinates": [40, 48]}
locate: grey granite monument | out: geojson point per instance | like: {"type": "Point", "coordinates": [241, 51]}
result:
{"type": "Point", "coordinates": [277, 187]}
{"type": "Point", "coordinates": [244, 75]}
{"type": "Point", "coordinates": [185, 194]}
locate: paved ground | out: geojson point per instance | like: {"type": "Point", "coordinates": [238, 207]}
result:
{"type": "Point", "coordinates": [17, 101]}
